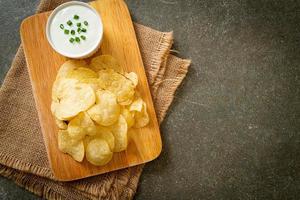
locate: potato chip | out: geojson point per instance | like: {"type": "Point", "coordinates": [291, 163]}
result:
{"type": "Point", "coordinates": [80, 126]}
{"type": "Point", "coordinates": [61, 124]}
{"type": "Point", "coordinates": [129, 116]}
{"type": "Point", "coordinates": [55, 87]}
{"type": "Point", "coordinates": [64, 70]}
{"type": "Point", "coordinates": [72, 98]}
{"type": "Point", "coordinates": [122, 88]}
{"type": "Point", "coordinates": [106, 134]}
{"type": "Point", "coordinates": [81, 73]}
{"type": "Point", "coordinates": [70, 146]}
{"type": "Point", "coordinates": [136, 105]}
{"type": "Point", "coordinates": [69, 66]}
{"type": "Point", "coordinates": [105, 62]}
{"type": "Point", "coordinates": [126, 103]}
{"type": "Point", "coordinates": [132, 77]}
{"type": "Point", "coordinates": [93, 82]}
{"type": "Point", "coordinates": [119, 131]}
{"type": "Point", "coordinates": [106, 111]}
{"type": "Point", "coordinates": [86, 140]}
{"type": "Point", "coordinates": [106, 77]}
{"type": "Point", "coordinates": [54, 105]}
{"type": "Point", "coordinates": [59, 86]}
{"type": "Point", "coordinates": [141, 118]}
{"type": "Point", "coordinates": [102, 133]}
{"type": "Point", "coordinates": [98, 152]}
{"type": "Point", "coordinates": [125, 96]}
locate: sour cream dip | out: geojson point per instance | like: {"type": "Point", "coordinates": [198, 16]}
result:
{"type": "Point", "coordinates": [74, 29]}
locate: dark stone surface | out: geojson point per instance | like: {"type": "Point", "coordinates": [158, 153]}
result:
{"type": "Point", "coordinates": [233, 129]}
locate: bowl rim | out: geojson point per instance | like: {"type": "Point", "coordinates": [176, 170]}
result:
{"type": "Point", "coordinates": [84, 54]}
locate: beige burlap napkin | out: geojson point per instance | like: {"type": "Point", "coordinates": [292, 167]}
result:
{"type": "Point", "coordinates": [23, 156]}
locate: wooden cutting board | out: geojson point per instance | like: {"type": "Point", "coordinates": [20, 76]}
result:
{"type": "Point", "coordinates": [43, 62]}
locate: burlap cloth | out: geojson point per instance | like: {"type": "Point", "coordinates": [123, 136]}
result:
{"type": "Point", "coordinates": [22, 152]}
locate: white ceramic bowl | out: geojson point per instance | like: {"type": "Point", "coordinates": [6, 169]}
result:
{"type": "Point", "coordinates": [60, 41]}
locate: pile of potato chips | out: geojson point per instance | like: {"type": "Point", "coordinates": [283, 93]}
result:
{"type": "Point", "coordinates": [94, 106]}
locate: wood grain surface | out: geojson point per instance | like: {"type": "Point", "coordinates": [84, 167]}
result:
{"type": "Point", "coordinates": [43, 62]}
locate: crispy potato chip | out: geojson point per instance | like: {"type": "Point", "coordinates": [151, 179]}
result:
{"type": "Point", "coordinates": [90, 80]}
{"type": "Point", "coordinates": [127, 102]}
{"type": "Point", "coordinates": [72, 98]}
{"type": "Point", "coordinates": [64, 70]}
{"type": "Point", "coordinates": [106, 111]}
{"type": "Point", "coordinates": [61, 124]}
{"type": "Point", "coordinates": [70, 146]}
{"type": "Point", "coordinates": [60, 85]}
{"type": "Point", "coordinates": [105, 62]}
{"type": "Point", "coordinates": [106, 77]}
{"type": "Point", "coordinates": [119, 131]}
{"type": "Point", "coordinates": [141, 118]}
{"type": "Point", "coordinates": [55, 87]}
{"type": "Point", "coordinates": [80, 126]}
{"type": "Point", "coordinates": [136, 105]}
{"type": "Point", "coordinates": [86, 140]}
{"type": "Point", "coordinates": [129, 116]}
{"type": "Point", "coordinates": [122, 87]}
{"type": "Point", "coordinates": [54, 105]}
{"type": "Point", "coordinates": [93, 82]}
{"type": "Point", "coordinates": [81, 73]}
{"type": "Point", "coordinates": [106, 134]}
{"type": "Point", "coordinates": [69, 66]}
{"type": "Point", "coordinates": [98, 152]}
{"type": "Point", "coordinates": [102, 133]}
{"type": "Point", "coordinates": [132, 77]}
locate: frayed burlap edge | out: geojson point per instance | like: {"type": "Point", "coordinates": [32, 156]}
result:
{"type": "Point", "coordinates": [171, 84]}
{"type": "Point", "coordinates": [158, 62]}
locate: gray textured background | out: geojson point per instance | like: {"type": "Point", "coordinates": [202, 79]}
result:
{"type": "Point", "coordinates": [233, 129]}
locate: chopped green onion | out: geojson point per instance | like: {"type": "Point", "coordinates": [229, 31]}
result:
{"type": "Point", "coordinates": [78, 30]}
{"type": "Point", "coordinates": [77, 39]}
{"type": "Point", "coordinates": [66, 31]}
{"type": "Point", "coordinates": [83, 30]}
{"type": "Point", "coordinates": [61, 26]}
{"type": "Point", "coordinates": [71, 40]}
{"type": "Point", "coordinates": [69, 23]}
{"type": "Point", "coordinates": [86, 23]}
{"type": "Point", "coordinates": [78, 24]}
{"type": "Point", "coordinates": [72, 32]}
{"type": "Point", "coordinates": [83, 37]}
{"type": "Point", "coordinates": [76, 17]}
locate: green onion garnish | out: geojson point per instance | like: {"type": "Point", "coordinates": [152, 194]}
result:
{"type": "Point", "coordinates": [77, 39]}
{"type": "Point", "coordinates": [61, 26]}
{"type": "Point", "coordinates": [69, 23]}
{"type": "Point", "coordinates": [83, 30]}
{"type": "Point", "coordinates": [66, 31]}
{"type": "Point", "coordinates": [76, 17]}
{"type": "Point", "coordinates": [78, 24]}
{"type": "Point", "coordinates": [83, 37]}
{"type": "Point", "coordinates": [72, 32]}
{"type": "Point", "coordinates": [86, 23]}
{"type": "Point", "coordinates": [71, 40]}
